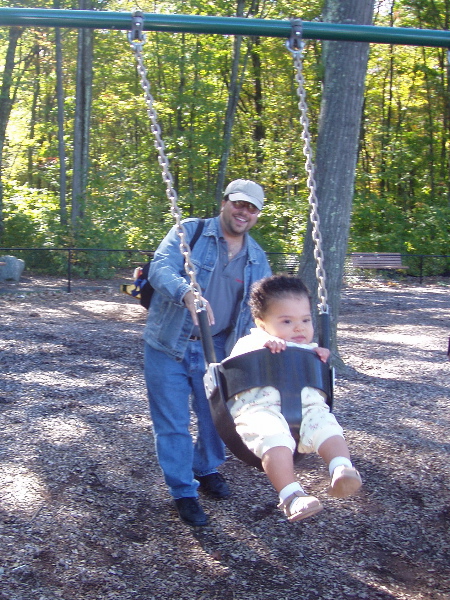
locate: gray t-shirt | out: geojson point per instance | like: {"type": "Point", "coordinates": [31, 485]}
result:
{"type": "Point", "coordinates": [226, 287]}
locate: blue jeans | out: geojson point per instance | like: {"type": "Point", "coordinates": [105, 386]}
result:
{"type": "Point", "coordinates": [170, 385]}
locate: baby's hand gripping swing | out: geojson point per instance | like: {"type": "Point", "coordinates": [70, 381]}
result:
{"type": "Point", "coordinates": [294, 368]}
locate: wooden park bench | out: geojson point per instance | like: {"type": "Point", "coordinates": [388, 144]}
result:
{"type": "Point", "coordinates": [378, 260]}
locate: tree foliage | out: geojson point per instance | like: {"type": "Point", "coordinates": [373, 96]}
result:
{"type": "Point", "coordinates": [402, 199]}
{"type": "Point", "coordinates": [402, 189]}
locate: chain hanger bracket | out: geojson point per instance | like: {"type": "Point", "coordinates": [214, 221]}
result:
{"type": "Point", "coordinates": [136, 34]}
{"type": "Point", "coordinates": [295, 43]}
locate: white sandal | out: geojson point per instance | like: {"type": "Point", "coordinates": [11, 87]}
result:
{"type": "Point", "coordinates": [345, 482]}
{"type": "Point", "coordinates": [298, 506]}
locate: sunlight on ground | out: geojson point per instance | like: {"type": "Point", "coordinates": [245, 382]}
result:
{"type": "Point", "coordinates": [420, 423]}
{"type": "Point", "coordinates": [416, 341]}
{"type": "Point", "coordinates": [99, 408]}
{"type": "Point", "coordinates": [59, 430]}
{"type": "Point", "coordinates": [66, 381]}
{"type": "Point", "coordinates": [117, 310]}
{"type": "Point", "coordinates": [431, 341]}
{"type": "Point", "coordinates": [100, 306]}
{"type": "Point", "coordinates": [23, 490]}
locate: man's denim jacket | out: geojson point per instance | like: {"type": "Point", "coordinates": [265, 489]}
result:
{"type": "Point", "coordinates": [169, 323]}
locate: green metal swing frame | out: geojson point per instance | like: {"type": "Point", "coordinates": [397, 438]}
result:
{"type": "Point", "coordinates": [178, 23]}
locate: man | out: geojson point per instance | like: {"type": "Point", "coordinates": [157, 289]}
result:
{"type": "Point", "coordinates": [227, 261]}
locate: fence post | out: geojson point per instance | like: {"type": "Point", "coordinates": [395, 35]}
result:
{"type": "Point", "coordinates": [69, 270]}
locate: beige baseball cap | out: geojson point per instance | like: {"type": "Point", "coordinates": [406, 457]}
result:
{"type": "Point", "coordinates": [244, 189]}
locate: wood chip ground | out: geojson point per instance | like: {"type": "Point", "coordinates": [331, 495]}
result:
{"type": "Point", "coordinates": [85, 514]}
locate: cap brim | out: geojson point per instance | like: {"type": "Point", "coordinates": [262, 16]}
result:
{"type": "Point", "coordinates": [241, 196]}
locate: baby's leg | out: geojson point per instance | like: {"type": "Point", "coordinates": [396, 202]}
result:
{"type": "Point", "coordinates": [333, 447]}
{"type": "Point", "coordinates": [321, 432]}
{"type": "Point", "coordinates": [345, 479]}
{"type": "Point", "coordinates": [265, 432]}
{"type": "Point", "coordinates": [259, 422]}
{"type": "Point", "coordinates": [278, 464]}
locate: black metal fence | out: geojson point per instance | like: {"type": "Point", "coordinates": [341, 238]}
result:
{"type": "Point", "coordinates": [72, 264]}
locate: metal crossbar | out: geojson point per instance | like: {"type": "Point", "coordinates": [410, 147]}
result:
{"type": "Point", "coordinates": [43, 17]}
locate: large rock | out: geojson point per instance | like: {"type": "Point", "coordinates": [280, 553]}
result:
{"type": "Point", "coordinates": [11, 268]}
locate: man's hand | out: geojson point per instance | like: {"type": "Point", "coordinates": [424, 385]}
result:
{"type": "Point", "coordinates": [189, 300]}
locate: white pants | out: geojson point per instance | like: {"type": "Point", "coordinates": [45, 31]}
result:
{"type": "Point", "coordinates": [260, 424]}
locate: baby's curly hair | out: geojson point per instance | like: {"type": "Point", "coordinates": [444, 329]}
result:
{"type": "Point", "coordinates": [272, 288]}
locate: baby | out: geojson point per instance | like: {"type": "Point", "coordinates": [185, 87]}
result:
{"type": "Point", "coordinates": [281, 309]}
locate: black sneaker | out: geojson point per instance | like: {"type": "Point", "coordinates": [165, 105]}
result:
{"type": "Point", "coordinates": [214, 485]}
{"type": "Point", "coordinates": [190, 511]}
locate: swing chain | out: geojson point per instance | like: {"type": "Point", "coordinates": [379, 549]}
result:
{"type": "Point", "coordinates": [295, 45]}
{"type": "Point", "coordinates": [136, 39]}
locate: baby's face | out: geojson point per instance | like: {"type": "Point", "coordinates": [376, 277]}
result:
{"type": "Point", "coordinates": [290, 319]}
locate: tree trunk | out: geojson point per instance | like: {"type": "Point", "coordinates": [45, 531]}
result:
{"type": "Point", "coordinates": [234, 91]}
{"type": "Point", "coordinates": [82, 121]}
{"type": "Point", "coordinates": [385, 142]}
{"type": "Point", "coordinates": [6, 102]}
{"type": "Point", "coordinates": [61, 144]}
{"type": "Point", "coordinates": [34, 103]}
{"type": "Point", "coordinates": [446, 134]}
{"type": "Point", "coordinates": [337, 148]}
{"type": "Point", "coordinates": [259, 131]}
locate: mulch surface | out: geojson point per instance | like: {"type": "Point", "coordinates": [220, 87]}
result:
{"type": "Point", "coordinates": [85, 514]}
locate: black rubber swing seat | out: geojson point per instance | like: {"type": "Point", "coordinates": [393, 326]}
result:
{"type": "Point", "coordinates": [288, 371]}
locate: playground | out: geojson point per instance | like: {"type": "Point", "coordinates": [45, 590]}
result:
{"type": "Point", "coordinates": [85, 514]}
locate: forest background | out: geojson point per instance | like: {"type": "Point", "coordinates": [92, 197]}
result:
{"type": "Point", "coordinates": [83, 172]}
